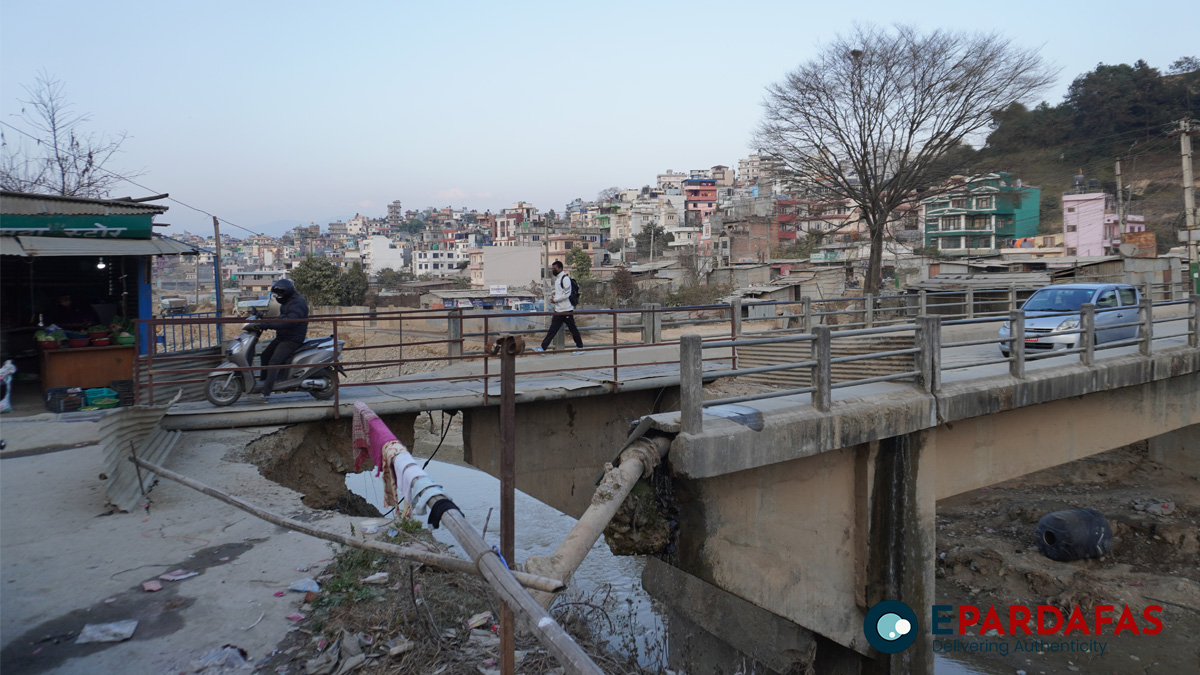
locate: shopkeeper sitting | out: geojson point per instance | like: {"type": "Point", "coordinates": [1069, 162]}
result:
{"type": "Point", "coordinates": [71, 315]}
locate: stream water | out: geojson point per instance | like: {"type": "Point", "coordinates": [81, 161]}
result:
{"type": "Point", "coordinates": [638, 626]}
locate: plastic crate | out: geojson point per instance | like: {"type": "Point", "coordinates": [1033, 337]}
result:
{"type": "Point", "coordinates": [64, 404]}
{"type": "Point", "coordinates": [121, 386]}
{"type": "Point", "coordinates": [58, 392]}
{"type": "Point", "coordinates": [91, 395]}
{"type": "Point", "coordinates": [125, 399]}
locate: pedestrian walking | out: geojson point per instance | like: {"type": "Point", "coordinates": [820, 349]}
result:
{"type": "Point", "coordinates": [562, 302]}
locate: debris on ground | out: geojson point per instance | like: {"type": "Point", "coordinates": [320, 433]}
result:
{"type": "Point", "coordinates": [226, 657]}
{"type": "Point", "coordinates": [117, 631]}
{"type": "Point", "coordinates": [305, 586]}
{"type": "Point", "coordinates": [178, 575]}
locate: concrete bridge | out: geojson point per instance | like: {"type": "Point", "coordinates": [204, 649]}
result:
{"type": "Point", "coordinates": [799, 509]}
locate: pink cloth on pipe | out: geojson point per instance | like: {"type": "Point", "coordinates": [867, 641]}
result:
{"type": "Point", "coordinates": [380, 435]}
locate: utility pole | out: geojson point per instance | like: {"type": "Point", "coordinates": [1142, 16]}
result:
{"type": "Point", "coordinates": [546, 276]}
{"type": "Point", "coordinates": [218, 291]}
{"type": "Point", "coordinates": [1120, 198]}
{"type": "Point", "coordinates": [1189, 201]}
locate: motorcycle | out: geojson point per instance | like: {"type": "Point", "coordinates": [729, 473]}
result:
{"type": "Point", "coordinates": [315, 369]}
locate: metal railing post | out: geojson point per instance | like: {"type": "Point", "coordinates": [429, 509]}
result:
{"type": "Point", "coordinates": [970, 303]}
{"type": "Point", "coordinates": [1087, 338]}
{"type": "Point", "coordinates": [1012, 297]}
{"type": "Point", "coordinates": [152, 331]}
{"type": "Point", "coordinates": [651, 323]}
{"type": "Point", "coordinates": [735, 318]}
{"type": "Point", "coordinates": [822, 375]}
{"type": "Point", "coordinates": [869, 311]}
{"type": "Point", "coordinates": [337, 388]}
{"type": "Point", "coordinates": [929, 342]}
{"type": "Point", "coordinates": [1194, 322]}
{"type": "Point", "coordinates": [455, 329]}
{"type": "Point", "coordinates": [691, 384]}
{"type": "Point", "coordinates": [922, 303]}
{"type": "Point", "coordinates": [1146, 346]}
{"type": "Point", "coordinates": [806, 309]}
{"type": "Point", "coordinates": [1016, 345]}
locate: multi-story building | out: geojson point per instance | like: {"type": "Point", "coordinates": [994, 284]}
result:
{"type": "Point", "coordinates": [723, 175]}
{"type": "Point", "coordinates": [439, 263]}
{"type": "Point", "coordinates": [700, 199]}
{"type": "Point", "coordinates": [338, 229]}
{"type": "Point", "coordinates": [258, 282]}
{"type": "Point", "coordinates": [1091, 225]}
{"type": "Point", "coordinates": [395, 214]}
{"type": "Point", "coordinates": [756, 167]}
{"type": "Point", "coordinates": [981, 214]}
{"type": "Point", "coordinates": [379, 253]}
{"type": "Point", "coordinates": [672, 180]}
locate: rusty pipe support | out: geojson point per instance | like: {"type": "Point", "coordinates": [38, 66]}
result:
{"type": "Point", "coordinates": [637, 460]}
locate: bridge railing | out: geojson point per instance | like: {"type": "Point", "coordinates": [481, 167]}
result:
{"type": "Point", "coordinates": [382, 346]}
{"type": "Point", "coordinates": [927, 352]}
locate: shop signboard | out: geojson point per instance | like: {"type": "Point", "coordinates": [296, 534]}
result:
{"type": "Point", "coordinates": [129, 226]}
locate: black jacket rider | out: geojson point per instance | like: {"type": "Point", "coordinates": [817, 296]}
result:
{"type": "Point", "coordinates": [294, 307]}
{"type": "Point", "coordinates": [288, 335]}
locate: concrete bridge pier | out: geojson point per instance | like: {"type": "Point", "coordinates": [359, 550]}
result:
{"type": "Point", "coordinates": [819, 540]}
{"type": "Point", "coordinates": [901, 541]}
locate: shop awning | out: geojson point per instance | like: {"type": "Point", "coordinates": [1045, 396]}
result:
{"type": "Point", "coordinates": [10, 246]}
{"type": "Point", "coordinates": [72, 246]}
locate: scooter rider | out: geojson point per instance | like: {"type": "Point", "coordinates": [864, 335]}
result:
{"type": "Point", "coordinates": [288, 335]}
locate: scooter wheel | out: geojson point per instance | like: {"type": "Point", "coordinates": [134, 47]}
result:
{"type": "Point", "coordinates": [330, 389]}
{"type": "Point", "coordinates": [221, 390]}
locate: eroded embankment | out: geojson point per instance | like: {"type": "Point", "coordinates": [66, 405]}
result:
{"type": "Point", "coordinates": [313, 459]}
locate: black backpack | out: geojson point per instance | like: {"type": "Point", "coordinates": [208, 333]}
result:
{"type": "Point", "coordinates": [574, 297]}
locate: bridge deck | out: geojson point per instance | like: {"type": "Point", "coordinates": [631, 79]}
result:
{"type": "Point", "coordinates": [580, 375]}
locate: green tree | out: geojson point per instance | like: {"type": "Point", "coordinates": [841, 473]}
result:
{"type": "Point", "coordinates": [580, 264]}
{"type": "Point", "coordinates": [352, 286]}
{"type": "Point", "coordinates": [391, 279]}
{"type": "Point", "coordinates": [655, 235]}
{"type": "Point", "coordinates": [622, 285]}
{"type": "Point", "coordinates": [317, 280]}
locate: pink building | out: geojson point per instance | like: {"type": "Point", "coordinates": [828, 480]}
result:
{"type": "Point", "coordinates": [1090, 225]}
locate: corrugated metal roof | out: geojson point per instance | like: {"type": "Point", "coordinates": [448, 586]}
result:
{"type": "Point", "coordinates": [82, 246]}
{"type": "Point", "coordinates": [10, 246]}
{"type": "Point", "coordinates": [27, 204]}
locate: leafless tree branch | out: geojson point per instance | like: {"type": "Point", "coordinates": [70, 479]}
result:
{"type": "Point", "coordinates": [873, 117]}
{"type": "Point", "coordinates": [53, 154]}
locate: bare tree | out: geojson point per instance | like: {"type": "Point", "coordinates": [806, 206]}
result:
{"type": "Point", "coordinates": [53, 154]}
{"type": "Point", "coordinates": [609, 194]}
{"type": "Point", "coordinates": [874, 116]}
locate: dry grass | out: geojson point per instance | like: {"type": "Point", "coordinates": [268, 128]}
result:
{"type": "Point", "coordinates": [431, 608]}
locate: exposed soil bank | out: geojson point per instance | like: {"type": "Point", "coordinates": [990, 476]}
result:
{"type": "Point", "coordinates": [986, 542]}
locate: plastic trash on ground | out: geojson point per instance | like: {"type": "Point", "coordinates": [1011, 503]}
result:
{"type": "Point", "coordinates": [118, 631]}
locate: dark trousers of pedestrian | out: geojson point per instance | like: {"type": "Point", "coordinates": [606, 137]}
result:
{"type": "Point", "coordinates": [276, 353]}
{"type": "Point", "coordinates": [556, 323]}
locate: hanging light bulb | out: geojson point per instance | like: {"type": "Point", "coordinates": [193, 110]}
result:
{"type": "Point", "coordinates": [101, 265]}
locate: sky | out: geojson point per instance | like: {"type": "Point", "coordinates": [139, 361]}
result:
{"type": "Point", "coordinates": [273, 114]}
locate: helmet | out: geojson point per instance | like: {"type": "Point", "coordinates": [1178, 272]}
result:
{"type": "Point", "coordinates": [283, 289]}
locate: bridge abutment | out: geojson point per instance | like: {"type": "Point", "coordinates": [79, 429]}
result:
{"type": "Point", "coordinates": [1179, 449]}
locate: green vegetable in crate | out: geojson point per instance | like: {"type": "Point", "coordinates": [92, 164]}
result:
{"type": "Point", "coordinates": [97, 329]}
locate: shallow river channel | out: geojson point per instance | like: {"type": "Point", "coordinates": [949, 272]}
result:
{"type": "Point", "coordinates": [539, 529]}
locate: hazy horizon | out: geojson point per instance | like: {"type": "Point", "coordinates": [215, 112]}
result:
{"type": "Point", "coordinates": [271, 115]}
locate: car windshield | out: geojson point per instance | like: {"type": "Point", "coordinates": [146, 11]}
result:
{"type": "Point", "coordinates": [1057, 300]}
